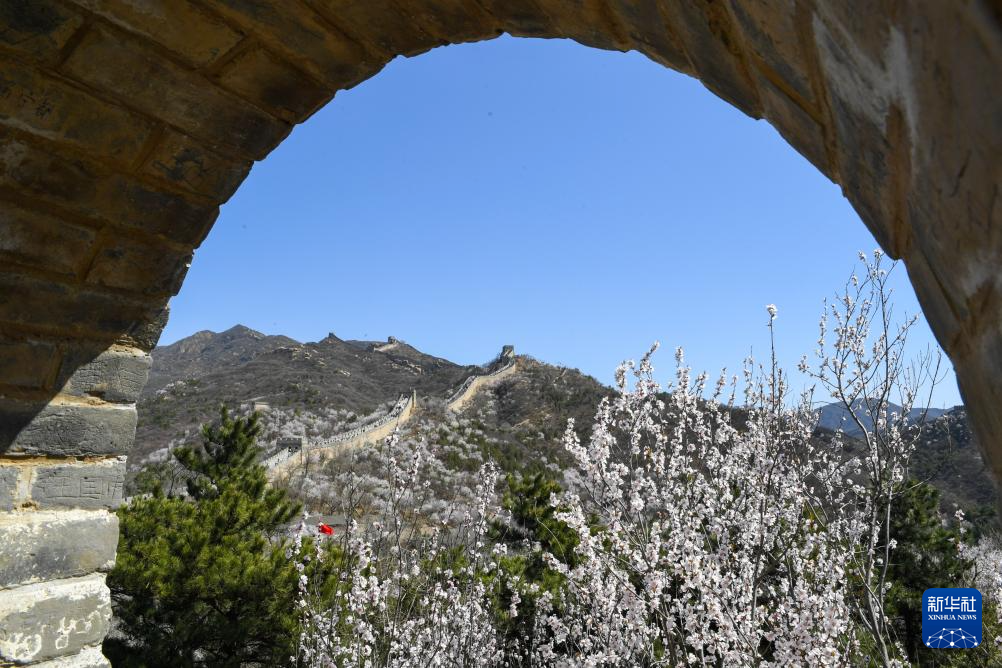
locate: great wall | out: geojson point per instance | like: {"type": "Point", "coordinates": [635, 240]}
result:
{"type": "Point", "coordinates": [330, 447]}
{"type": "Point", "coordinates": [474, 384]}
{"type": "Point", "coordinates": [296, 450]}
{"type": "Point", "coordinates": [391, 344]}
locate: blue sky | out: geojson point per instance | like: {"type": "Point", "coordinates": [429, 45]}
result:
{"type": "Point", "coordinates": [574, 202]}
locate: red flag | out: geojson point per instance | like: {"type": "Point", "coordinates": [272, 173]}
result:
{"type": "Point", "coordinates": [324, 529]}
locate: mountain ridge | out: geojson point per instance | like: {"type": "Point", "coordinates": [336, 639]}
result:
{"type": "Point", "coordinates": [334, 385]}
{"type": "Point", "coordinates": [835, 414]}
{"type": "Point", "coordinates": [192, 377]}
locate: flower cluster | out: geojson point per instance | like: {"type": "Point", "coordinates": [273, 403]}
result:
{"type": "Point", "coordinates": [701, 543]}
{"type": "Point", "coordinates": [705, 531]}
{"type": "Point", "coordinates": [406, 592]}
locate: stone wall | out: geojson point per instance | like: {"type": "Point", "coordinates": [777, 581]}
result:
{"type": "Point", "coordinates": [391, 344]}
{"type": "Point", "coordinates": [474, 384]}
{"type": "Point", "coordinates": [401, 412]}
{"type": "Point", "coordinates": [61, 476]}
{"type": "Point", "coordinates": [288, 447]}
{"type": "Point", "coordinates": [327, 448]}
{"type": "Point", "coordinates": [124, 127]}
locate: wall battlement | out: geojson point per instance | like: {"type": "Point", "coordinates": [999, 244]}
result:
{"type": "Point", "coordinates": [328, 448]}
{"type": "Point", "coordinates": [297, 449]}
{"type": "Point", "coordinates": [392, 343]}
{"type": "Point", "coordinates": [504, 365]}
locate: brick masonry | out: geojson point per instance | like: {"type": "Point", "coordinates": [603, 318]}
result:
{"type": "Point", "coordinates": [123, 130]}
{"type": "Point", "coordinates": [47, 545]}
{"type": "Point", "coordinates": [51, 619]}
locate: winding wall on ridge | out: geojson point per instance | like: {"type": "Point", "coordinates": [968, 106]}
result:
{"type": "Point", "coordinates": [474, 384]}
{"type": "Point", "coordinates": [332, 446]}
{"type": "Point", "coordinates": [328, 448]}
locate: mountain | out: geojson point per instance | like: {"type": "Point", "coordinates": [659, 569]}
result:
{"type": "Point", "coordinates": [332, 386]}
{"type": "Point", "coordinates": [835, 415]}
{"type": "Point", "coordinates": [191, 378]}
{"type": "Point", "coordinates": [946, 456]}
{"type": "Point", "coordinates": [205, 352]}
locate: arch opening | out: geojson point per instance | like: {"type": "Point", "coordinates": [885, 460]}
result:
{"type": "Point", "coordinates": [455, 192]}
{"type": "Point", "coordinates": [124, 131]}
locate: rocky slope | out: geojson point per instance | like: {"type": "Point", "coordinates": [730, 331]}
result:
{"type": "Point", "coordinates": [314, 389]}
{"type": "Point", "coordinates": [205, 352]}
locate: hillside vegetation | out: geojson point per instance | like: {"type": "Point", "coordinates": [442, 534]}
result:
{"type": "Point", "coordinates": [316, 390]}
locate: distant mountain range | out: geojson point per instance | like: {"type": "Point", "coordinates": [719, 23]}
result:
{"type": "Point", "coordinates": [837, 415]}
{"type": "Point", "coordinates": [946, 455]}
{"type": "Point", "coordinates": [312, 381]}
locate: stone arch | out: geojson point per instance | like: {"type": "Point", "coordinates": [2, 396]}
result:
{"type": "Point", "coordinates": [124, 125]}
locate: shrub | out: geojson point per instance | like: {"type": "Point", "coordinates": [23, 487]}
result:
{"type": "Point", "coordinates": [204, 579]}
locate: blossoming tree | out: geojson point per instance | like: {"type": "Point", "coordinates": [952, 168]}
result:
{"type": "Point", "coordinates": [707, 530]}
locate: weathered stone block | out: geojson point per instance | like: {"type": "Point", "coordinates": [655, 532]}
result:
{"type": "Point", "coordinates": [380, 24]}
{"type": "Point", "coordinates": [8, 487]}
{"type": "Point", "coordinates": [590, 22]}
{"type": "Point", "coordinates": [951, 93]}
{"type": "Point", "coordinates": [33, 302]}
{"type": "Point", "coordinates": [522, 18]}
{"type": "Point", "coordinates": [866, 169]}
{"type": "Point", "coordinates": [89, 191]}
{"type": "Point", "coordinates": [42, 546]}
{"type": "Point", "coordinates": [196, 36]}
{"type": "Point", "coordinates": [936, 305]}
{"type": "Point", "coordinates": [79, 485]}
{"type": "Point", "coordinates": [40, 240]}
{"type": "Point", "coordinates": [861, 101]}
{"type": "Point", "coordinates": [44, 106]}
{"type": "Point", "coordinates": [166, 91]}
{"type": "Point", "coordinates": [65, 429]}
{"type": "Point", "coordinates": [36, 172]}
{"type": "Point", "coordinates": [194, 166]}
{"type": "Point", "coordinates": [27, 364]}
{"type": "Point", "coordinates": [144, 334]}
{"type": "Point", "coordinates": [711, 41]}
{"type": "Point", "coordinates": [39, 28]}
{"type": "Point", "coordinates": [273, 84]}
{"type": "Point", "coordinates": [770, 30]}
{"type": "Point", "coordinates": [142, 267]}
{"type": "Point", "coordinates": [452, 21]}
{"type": "Point", "coordinates": [89, 657]}
{"type": "Point", "coordinates": [116, 375]}
{"type": "Point", "coordinates": [166, 214]}
{"type": "Point", "coordinates": [330, 55]}
{"type": "Point", "coordinates": [796, 125]}
{"type": "Point", "coordinates": [44, 621]}
{"type": "Point", "coordinates": [857, 18]}
{"type": "Point", "coordinates": [645, 25]}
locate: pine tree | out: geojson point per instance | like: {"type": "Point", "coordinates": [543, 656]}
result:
{"type": "Point", "coordinates": [532, 529]}
{"type": "Point", "coordinates": [926, 556]}
{"type": "Point", "coordinates": [204, 580]}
